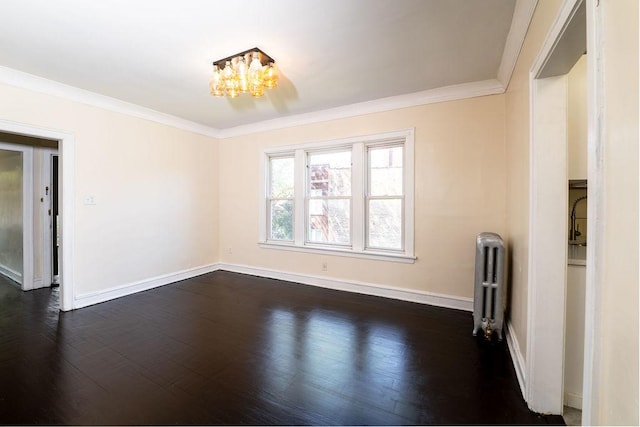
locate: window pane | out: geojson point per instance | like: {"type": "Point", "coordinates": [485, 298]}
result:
{"type": "Point", "coordinates": [385, 171]}
{"type": "Point", "coordinates": [281, 177]}
{"type": "Point", "coordinates": [385, 223]}
{"type": "Point", "coordinates": [329, 221]}
{"type": "Point", "coordinates": [281, 220]}
{"type": "Point", "coordinates": [330, 174]}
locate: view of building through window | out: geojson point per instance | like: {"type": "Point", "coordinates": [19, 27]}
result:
{"type": "Point", "coordinates": [385, 197]}
{"type": "Point", "coordinates": [329, 193]}
{"type": "Point", "coordinates": [281, 191]}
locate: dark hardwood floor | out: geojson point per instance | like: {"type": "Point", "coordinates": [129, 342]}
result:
{"type": "Point", "coordinates": [226, 348]}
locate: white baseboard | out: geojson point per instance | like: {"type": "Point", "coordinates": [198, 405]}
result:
{"type": "Point", "coordinates": [91, 298]}
{"type": "Point", "coordinates": [440, 300]}
{"type": "Point", "coordinates": [11, 274]}
{"type": "Point", "coordinates": [573, 400]}
{"type": "Point", "coordinates": [516, 356]}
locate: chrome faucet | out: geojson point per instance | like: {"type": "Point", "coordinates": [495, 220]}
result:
{"type": "Point", "coordinates": [573, 233]}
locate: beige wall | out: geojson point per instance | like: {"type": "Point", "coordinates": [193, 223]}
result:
{"type": "Point", "coordinates": [618, 341]}
{"type": "Point", "coordinates": [577, 120]}
{"type": "Point", "coordinates": [155, 188]}
{"type": "Point", "coordinates": [517, 143]}
{"type": "Point", "coordinates": [460, 182]}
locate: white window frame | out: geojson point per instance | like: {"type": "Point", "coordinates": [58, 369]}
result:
{"type": "Point", "coordinates": [359, 183]}
{"type": "Point", "coordinates": [269, 199]}
{"type": "Point", "coordinates": [368, 197]}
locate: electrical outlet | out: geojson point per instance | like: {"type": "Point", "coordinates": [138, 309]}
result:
{"type": "Point", "coordinates": [324, 266]}
{"type": "Point", "coordinates": [229, 251]}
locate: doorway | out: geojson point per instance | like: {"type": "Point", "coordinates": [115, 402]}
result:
{"type": "Point", "coordinates": [549, 221]}
{"type": "Point", "coordinates": [66, 158]}
{"type": "Point", "coordinates": [50, 217]}
{"type": "Point", "coordinates": [29, 211]}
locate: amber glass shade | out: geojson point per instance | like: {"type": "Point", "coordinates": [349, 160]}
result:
{"type": "Point", "coordinates": [242, 71]}
{"type": "Point", "coordinates": [216, 86]}
{"type": "Point", "coordinates": [270, 77]}
{"type": "Point", "coordinates": [230, 81]}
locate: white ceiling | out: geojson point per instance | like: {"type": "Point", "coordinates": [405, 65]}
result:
{"type": "Point", "coordinates": [330, 53]}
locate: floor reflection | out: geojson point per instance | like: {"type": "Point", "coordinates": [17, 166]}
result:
{"type": "Point", "coordinates": [321, 357]}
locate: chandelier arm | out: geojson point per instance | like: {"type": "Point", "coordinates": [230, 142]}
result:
{"type": "Point", "coordinates": [264, 58]}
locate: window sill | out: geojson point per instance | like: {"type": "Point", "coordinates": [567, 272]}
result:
{"type": "Point", "coordinates": [380, 256]}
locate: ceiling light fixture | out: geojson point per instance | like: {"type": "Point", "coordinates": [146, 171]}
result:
{"type": "Point", "coordinates": [250, 71]}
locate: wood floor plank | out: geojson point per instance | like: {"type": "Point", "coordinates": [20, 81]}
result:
{"type": "Point", "coordinates": [226, 348]}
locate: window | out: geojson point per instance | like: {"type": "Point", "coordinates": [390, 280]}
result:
{"type": "Point", "coordinates": [352, 197]}
{"type": "Point", "coordinates": [329, 197]}
{"type": "Point", "coordinates": [385, 197]}
{"type": "Point", "coordinates": [281, 184]}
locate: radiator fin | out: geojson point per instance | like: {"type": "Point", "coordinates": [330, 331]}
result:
{"type": "Point", "coordinates": [490, 287]}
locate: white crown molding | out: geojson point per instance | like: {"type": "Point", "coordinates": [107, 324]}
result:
{"type": "Point", "coordinates": [516, 357]}
{"type": "Point", "coordinates": [443, 94]}
{"type": "Point", "coordinates": [91, 298]}
{"type": "Point", "coordinates": [34, 83]}
{"type": "Point", "coordinates": [448, 93]}
{"type": "Point", "coordinates": [432, 96]}
{"type": "Point", "coordinates": [522, 15]}
{"type": "Point", "coordinates": [429, 298]}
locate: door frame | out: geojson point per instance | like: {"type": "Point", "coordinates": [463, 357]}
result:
{"type": "Point", "coordinates": [543, 346]}
{"type": "Point", "coordinates": [26, 277]}
{"type": "Point", "coordinates": [547, 245]}
{"type": "Point", "coordinates": [66, 153]}
{"type": "Point", "coordinates": [47, 230]}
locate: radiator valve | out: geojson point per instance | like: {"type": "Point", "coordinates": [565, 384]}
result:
{"type": "Point", "coordinates": [488, 332]}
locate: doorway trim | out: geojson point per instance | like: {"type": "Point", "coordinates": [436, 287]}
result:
{"type": "Point", "coordinates": [546, 291]}
{"type": "Point", "coordinates": [46, 218]}
{"type": "Point", "coordinates": [538, 395]}
{"type": "Point", "coordinates": [547, 245]}
{"type": "Point", "coordinates": [595, 207]}
{"type": "Point", "coordinates": [66, 149]}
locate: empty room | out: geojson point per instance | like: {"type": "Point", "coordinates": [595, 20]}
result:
{"type": "Point", "coordinates": [336, 212]}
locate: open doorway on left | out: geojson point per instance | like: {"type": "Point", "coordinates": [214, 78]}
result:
{"type": "Point", "coordinates": [28, 190]}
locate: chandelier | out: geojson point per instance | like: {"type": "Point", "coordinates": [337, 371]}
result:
{"type": "Point", "coordinates": [250, 71]}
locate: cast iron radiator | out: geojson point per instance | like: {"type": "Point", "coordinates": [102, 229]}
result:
{"type": "Point", "coordinates": [489, 292]}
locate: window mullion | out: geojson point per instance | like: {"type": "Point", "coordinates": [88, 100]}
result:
{"type": "Point", "coordinates": [358, 177]}
{"type": "Point", "coordinates": [300, 183]}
